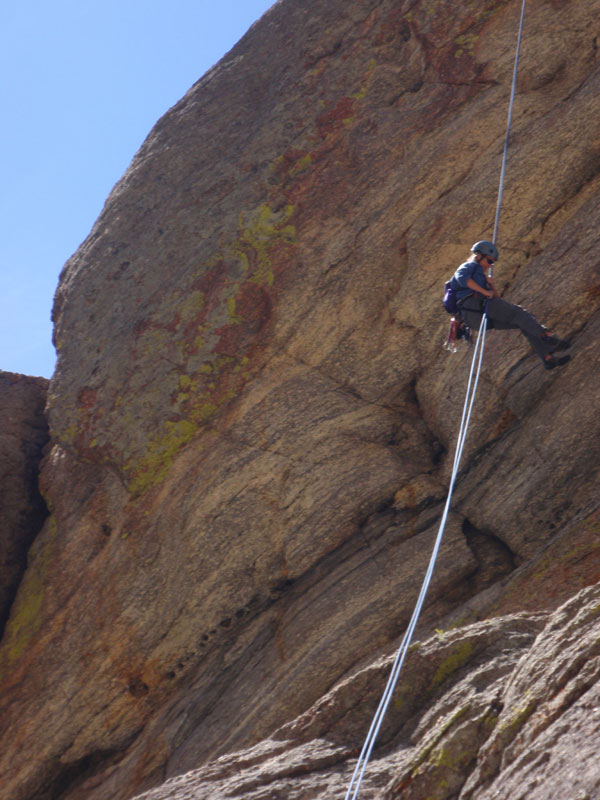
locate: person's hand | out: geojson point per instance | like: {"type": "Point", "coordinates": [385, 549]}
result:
{"type": "Point", "coordinates": [493, 293]}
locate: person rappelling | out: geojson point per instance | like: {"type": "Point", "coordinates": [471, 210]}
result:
{"type": "Point", "coordinates": [471, 297]}
{"type": "Point", "coordinates": [475, 294]}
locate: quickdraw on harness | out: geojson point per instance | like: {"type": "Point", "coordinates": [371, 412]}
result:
{"type": "Point", "coordinates": [458, 330]}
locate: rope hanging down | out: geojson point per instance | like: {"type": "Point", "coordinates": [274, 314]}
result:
{"type": "Point", "coordinates": [367, 749]}
{"type": "Point", "coordinates": [508, 124]}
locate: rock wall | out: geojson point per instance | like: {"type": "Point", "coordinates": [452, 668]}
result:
{"type": "Point", "coordinates": [252, 417]}
{"type": "Point", "coordinates": [23, 436]}
{"type": "Point", "coordinates": [498, 709]}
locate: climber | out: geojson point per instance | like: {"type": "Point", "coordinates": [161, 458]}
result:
{"type": "Point", "coordinates": [473, 290]}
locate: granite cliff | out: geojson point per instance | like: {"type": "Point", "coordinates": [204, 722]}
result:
{"type": "Point", "coordinates": [252, 425]}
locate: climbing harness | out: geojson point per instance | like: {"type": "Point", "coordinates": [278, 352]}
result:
{"type": "Point", "coordinates": [365, 754]}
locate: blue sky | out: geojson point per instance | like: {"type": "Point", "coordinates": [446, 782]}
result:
{"type": "Point", "coordinates": [83, 82]}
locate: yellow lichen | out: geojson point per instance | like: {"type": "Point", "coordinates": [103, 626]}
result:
{"type": "Point", "coordinates": [161, 451]}
{"type": "Point", "coordinates": [431, 752]}
{"type": "Point", "coordinates": [466, 44]}
{"type": "Point", "coordinates": [300, 165]}
{"type": "Point", "coordinates": [260, 231]}
{"type": "Point", "coordinates": [26, 612]}
{"type": "Point", "coordinates": [193, 303]}
{"type": "Point", "coordinates": [516, 717]}
{"type": "Point", "coordinates": [233, 317]}
{"type": "Point", "coordinates": [67, 436]}
{"type": "Point", "coordinates": [452, 663]}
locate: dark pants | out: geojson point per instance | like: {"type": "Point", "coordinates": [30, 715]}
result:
{"type": "Point", "coordinates": [505, 316]}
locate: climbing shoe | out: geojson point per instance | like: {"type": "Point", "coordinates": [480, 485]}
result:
{"type": "Point", "coordinates": [551, 361]}
{"type": "Point", "coordinates": [556, 343]}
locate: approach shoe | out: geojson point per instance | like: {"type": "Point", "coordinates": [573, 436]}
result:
{"type": "Point", "coordinates": [551, 361]}
{"type": "Point", "coordinates": [556, 343]}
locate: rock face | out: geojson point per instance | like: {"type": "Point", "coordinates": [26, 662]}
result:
{"type": "Point", "coordinates": [253, 420]}
{"type": "Point", "coordinates": [23, 435]}
{"type": "Point", "coordinates": [498, 709]}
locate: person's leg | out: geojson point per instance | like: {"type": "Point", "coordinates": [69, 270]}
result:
{"type": "Point", "coordinates": [509, 316]}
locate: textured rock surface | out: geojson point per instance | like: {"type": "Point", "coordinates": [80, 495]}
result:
{"type": "Point", "coordinates": [507, 708]}
{"type": "Point", "coordinates": [23, 435]}
{"type": "Point", "coordinates": [252, 417]}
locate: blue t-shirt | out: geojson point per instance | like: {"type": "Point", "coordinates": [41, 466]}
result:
{"type": "Point", "coordinates": [470, 269]}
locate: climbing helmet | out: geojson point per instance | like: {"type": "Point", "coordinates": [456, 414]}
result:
{"type": "Point", "coordinates": [486, 249]}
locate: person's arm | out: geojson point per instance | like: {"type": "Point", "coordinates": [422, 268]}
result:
{"type": "Point", "coordinates": [475, 287]}
{"type": "Point", "coordinates": [493, 287]}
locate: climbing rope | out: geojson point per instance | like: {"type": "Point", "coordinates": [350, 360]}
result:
{"type": "Point", "coordinates": [365, 754]}
{"type": "Point", "coordinates": [508, 124]}
{"type": "Point", "coordinates": [473, 381]}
